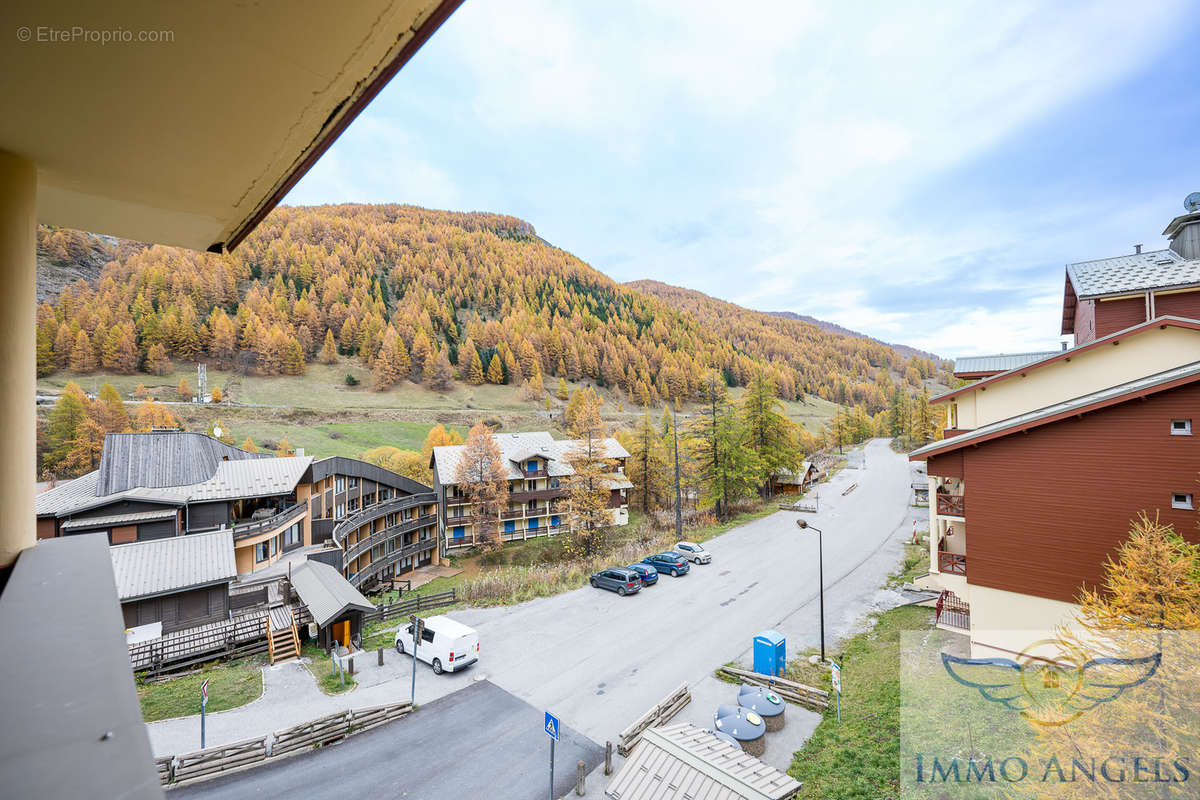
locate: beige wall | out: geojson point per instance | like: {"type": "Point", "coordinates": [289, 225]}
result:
{"type": "Point", "coordinates": [1105, 365]}
{"type": "Point", "coordinates": [1004, 624]}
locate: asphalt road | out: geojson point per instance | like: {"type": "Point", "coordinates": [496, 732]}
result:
{"type": "Point", "coordinates": [479, 742]}
{"type": "Point", "coordinates": [598, 661]}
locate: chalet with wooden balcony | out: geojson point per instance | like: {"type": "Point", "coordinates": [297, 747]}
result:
{"type": "Point", "coordinates": [271, 513]}
{"type": "Point", "coordinates": [537, 468]}
{"type": "Point", "coordinates": [1062, 450]}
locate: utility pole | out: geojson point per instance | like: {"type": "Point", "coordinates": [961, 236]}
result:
{"type": "Point", "coordinates": [678, 491]}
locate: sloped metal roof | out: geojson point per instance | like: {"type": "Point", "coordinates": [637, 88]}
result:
{"type": "Point", "coordinates": [1028, 419]}
{"type": "Point", "coordinates": [80, 495]}
{"type": "Point", "coordinates": [162, 459]}
{"type": "Point", "coordinates": [517, 447]}
{"type": "Point", "coordinates": [1136, 272]}
{"type": "Point", "coordinates": [1000, 362]}
{"type": "Point", "coordinates": [257, 478]}
{"type": "Point", "coordinates": [119, 519]}
{"type": "Point", "coordinates": [165, 566]}
{"type": "Point", "coordinates": [682, 762]}
{"type": "Point", "coordinates": [326, 592]}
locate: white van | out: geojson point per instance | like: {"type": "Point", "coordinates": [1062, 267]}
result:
{"type": "Point", "coordinates": [446, 645]}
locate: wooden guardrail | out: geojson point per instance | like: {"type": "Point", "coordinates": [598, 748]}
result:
{"type": "Point", "coordinates": [184, 649]}
{"type": "Point", "coordinates": [658, 715]}
{"type": "Point", "coordinates": [175, 770]}
{"type": "Point", "coordinates": [203, 763]}
{"type": "Point", "coordinates": [791, 691]}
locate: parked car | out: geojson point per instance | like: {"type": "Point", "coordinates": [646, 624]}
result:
{"type": "Point", "coordinates": [621, 580]}
{"type": "Point", "coordinates": [674, 564]}
{"type": "Point", "coordinates": [694, 552]}
{"type": "Point", "coordinates": [446, 645]}
{"type": "Point", "coordinates": [647, 573]}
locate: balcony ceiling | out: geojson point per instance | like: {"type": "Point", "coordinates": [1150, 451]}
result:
{"type": "Point", "coordinates": [192, 141]}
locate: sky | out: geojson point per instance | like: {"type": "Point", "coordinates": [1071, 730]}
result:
{"type": "Point", "coordinates": [919, 172]}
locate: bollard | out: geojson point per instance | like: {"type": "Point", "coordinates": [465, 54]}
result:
{"type": "Point", "coordinates": [608, 758]}
{"type": "Point", "coordinates": [352, 665]}
{"type": "Point", "coordinates": [581, 769]}
{"type": "Point", "coordinates": [381, 656]}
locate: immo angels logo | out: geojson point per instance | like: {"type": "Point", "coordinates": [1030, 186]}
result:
{"type": "Point", "coordinates": [1048, 690]}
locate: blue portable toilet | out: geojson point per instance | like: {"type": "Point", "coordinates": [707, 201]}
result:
{"type": "Point", "coordinates": [770, 654]}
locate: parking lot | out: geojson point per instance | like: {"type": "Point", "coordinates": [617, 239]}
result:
{"type": "Point", "coordinates": [598, 660]}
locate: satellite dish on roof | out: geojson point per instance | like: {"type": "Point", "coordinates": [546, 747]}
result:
{"type": "Point", "coordinates": [1192, 202]}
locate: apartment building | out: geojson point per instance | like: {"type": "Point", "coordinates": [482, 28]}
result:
{"type": "Point", "coordinates": [537, 465]}
{"type": "Point", "coordinates": [1062, 450]}
{"type": "Point", "coordinates": [169, 484]}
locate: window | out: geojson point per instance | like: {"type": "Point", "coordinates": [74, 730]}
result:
{"type": "Point", "coordinates": [354, 483]}
{"type": "Point", "coordinates": [339, 511]}
{"type": "Point", "coordinates": [1181, 427]}
{"type": "Point", "coordinates": [353, 505]}
{"type": "Point", "coordinates": [391, 546]}
{"type": "Point", "coordinates": [262, 551]}
{"type": "Point", "coordinates": [426, 634]}
{"type": "Point", "coordinates": [1181, 500]}
{"type": "Point", "coordinates": [339, 484]}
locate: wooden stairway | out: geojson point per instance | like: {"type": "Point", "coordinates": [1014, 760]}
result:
{"type": "Point", "coordinates": [283, 644]}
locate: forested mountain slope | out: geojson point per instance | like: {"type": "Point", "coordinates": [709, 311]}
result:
{"type": "Point", "coordinates": [848, 368]}
{"type": "Point", "coordinates": [433, 296]}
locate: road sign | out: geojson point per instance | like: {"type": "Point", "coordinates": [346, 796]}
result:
{"type": "Point", "coordinates": [836, 676]}
{"type": "Point", "coordinates": [552, 726]}
{"type": "Point", "coordinates": [204, 692]}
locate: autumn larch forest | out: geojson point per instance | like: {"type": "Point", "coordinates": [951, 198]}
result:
{"type": "Point", "coordinates": [437, 297]}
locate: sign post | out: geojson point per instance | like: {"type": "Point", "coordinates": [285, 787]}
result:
{"type": "Point", "coordinates": [552, 732]}
{"type": "Point", "coordinates": [418, 627]}
{"type": "Point", "coordinates": [836, 677]}
{"type": "Point", "coordinates": [203, 706]}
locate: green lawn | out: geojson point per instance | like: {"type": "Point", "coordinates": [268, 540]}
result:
{"type": "Point", "coordinates": [230, 685]}
{"type": "Point", "coordinates": [321, 667]}
{"type": "Point", "coordinates": [859, 759]}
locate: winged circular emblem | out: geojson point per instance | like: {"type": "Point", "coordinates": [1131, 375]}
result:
{"type": "Point", "coordinates": [1046, 691]}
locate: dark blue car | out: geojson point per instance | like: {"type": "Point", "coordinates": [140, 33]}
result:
{"type": "Point", "coordinates": [670, 562]}
{"type": "Point", "coordinates": [647, 573]}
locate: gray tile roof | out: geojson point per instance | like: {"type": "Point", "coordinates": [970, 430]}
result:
{"type": "Point", "coordinates": [325, 591]}
{"type": "Point", "coordinates": [164, 566]}
{"type": "Point", "coordinates": [80, 495]}
{"type": "Point", "coordinates": [681, 762]}
{"type": "Point", "coordinates": [1160, 269]}
{"type": "Point", "coordinates": [257, 478]}
{"type": "Point", "coordinates": [1001, 362]}
{"type": "Point", "coordinates": [517, 447]}
{"type": "Point", "coordinates": [1022, 420]}
{"type": "Point", "coordinates": [119, 519]}
{"type": "Point", "coordinates": [159, 460]}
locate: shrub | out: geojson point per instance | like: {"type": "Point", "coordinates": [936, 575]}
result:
{"type": "Point", "coordinates": [351, 380]}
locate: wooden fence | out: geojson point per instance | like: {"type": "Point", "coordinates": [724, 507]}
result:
{"type": "Point", "coordinates": [659, 715]}
{"type": "Point", "coordinates": [181, 650]}
{"type": "Point", "coordinates": [203, 763]}
{"type": "Point", "coordinates": [174, 770]}
{"type": "Point", "coordinates": [410, 606]}
{"type": "Point", "coordinates": [791, 691]}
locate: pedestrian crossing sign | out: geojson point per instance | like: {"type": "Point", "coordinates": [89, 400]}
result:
{"type": "Point", "coordinates": [552, 726]}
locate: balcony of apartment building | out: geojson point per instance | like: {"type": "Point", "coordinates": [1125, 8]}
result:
{"type": "Point", "coordinates": [948, 539]}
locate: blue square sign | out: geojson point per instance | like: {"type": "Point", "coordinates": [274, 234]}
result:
{"type": "Point", "coordinates": [552, 726]}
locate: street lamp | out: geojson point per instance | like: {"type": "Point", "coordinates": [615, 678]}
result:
{"type": "Point", "coordinates": [803, 525]}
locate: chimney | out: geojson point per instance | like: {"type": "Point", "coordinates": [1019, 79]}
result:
{"type": "Point", "coordinates": [1137, 249]}
{"type": "Point", "coordinates": [1184, 231]}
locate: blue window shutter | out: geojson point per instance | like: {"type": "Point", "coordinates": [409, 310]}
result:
{"type": "Point", "coordinates": [533, 524]}
{"type": "Point", "coordinates": [459, 532]}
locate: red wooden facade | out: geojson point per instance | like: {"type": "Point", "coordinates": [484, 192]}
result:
{"type": "Point", "coordinates": [1049, 506]}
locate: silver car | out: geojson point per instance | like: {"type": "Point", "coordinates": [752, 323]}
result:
{"type": "Point", "coordinates": [694, 552]}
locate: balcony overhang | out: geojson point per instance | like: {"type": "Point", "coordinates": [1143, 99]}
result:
{"type": "Point", "coordinates": [193, 138]}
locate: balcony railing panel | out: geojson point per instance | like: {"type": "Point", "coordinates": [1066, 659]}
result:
{"type": "Point", "coordinates": [379, 537]}
{"type": "Point", "coordinates": [377, 566]}
{"type": "Point", "coordinates": [951, 505]}
{"type": "Point", "coordinates": [536, 494]}
{"type": "Point", "coordinates": [249, 529]}
{"type": "Point", "coordinates": [952, 563]}
{"type": "Point", "coordinates": [372, 513]}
